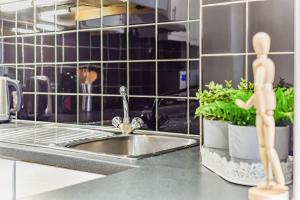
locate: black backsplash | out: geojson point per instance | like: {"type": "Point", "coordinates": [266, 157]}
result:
{"type": "Point", "coordinates": [157, 50]}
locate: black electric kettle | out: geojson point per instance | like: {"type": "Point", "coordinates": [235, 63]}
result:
{"type": "Point", "coordinates": [5, 99]}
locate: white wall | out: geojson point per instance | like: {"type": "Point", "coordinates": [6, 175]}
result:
{"type": "Point", "coordinates": [297, 105]}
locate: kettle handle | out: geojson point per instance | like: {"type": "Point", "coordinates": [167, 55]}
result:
{"type": "Point", "coordinates": [16, 85]}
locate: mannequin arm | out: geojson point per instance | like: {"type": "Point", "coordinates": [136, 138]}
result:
{"type": "Point", "coordinates": [245, 105]}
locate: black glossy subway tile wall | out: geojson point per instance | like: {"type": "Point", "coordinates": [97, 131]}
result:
{"type": "Point", "coordinates": [144, 108]}
{"type": "Point", "coordinates": [112, 85]}
{"type": "Point", "coordinates": [284, 66]}
{"type": "Point", "coordinates": [26, 74]}
{"type": "Point", "coordinates": [89, 46]}
{"type": "Point", "coordinates": [259, 20]}
{"type": "Point", "coordinates": [224, 29]}
{"type": "Point", "coordinates": [67, 108]}
{"type": "Point", "coordinates": [194, 78]}
{"type": "Point", "coordinates": [172, 115]}
{"type": "Point", "coordinates": [90, 113]}
{"type": "Point", "coordinates": [172, 10]}
{"type": "Point", "coordinates": [172, 78]}
{"type": "Point", "coordinates": [93, 86]}
{"type": "Point", "coordinates": [194, 39]}
{"type": "Point", "coordinates": [9, 52]}
{"type": "Point", "coordinates": [142, 43]}
{"type": "Point", "coordinates": [172, 41]}
{"type": "Point", "coordinates": [219, 69]}
{"type": "Point", "coordinates": [205, 2]}
{"type": "Point", "coordinates": [114, 44]}
{"type": "Point", "coordinates": [142, 12]}
{"type": "Point", "coordinates": [161, 50]}
{"type": "Point", "coordinates": [194, 123]}
{"type": "Point", "coordinates": [66, 75]}
{"type": "Point", "coordinates": [9, 71]}
{"type": "Point", "coordinates": [142, 78]}
{"type": "Point", "coordinates": [112, 106]}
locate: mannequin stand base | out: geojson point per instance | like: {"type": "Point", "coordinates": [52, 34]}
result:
{"type": "Point", "coordinates": [263, 193]}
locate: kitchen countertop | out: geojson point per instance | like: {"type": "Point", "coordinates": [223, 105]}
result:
{"type": "Point", "coordinates": [175, 175]}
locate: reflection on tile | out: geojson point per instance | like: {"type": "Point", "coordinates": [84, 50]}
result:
{"type": "Point", "coordinates": [114, 44]}
{"type": "Point", "coordinates": [9, 50]}
{"type": "Point", "coordinates": [194, 39]}
{"type": "Point", "coordinates": [7, 23]}
{"type": "Point", "coordinates": [194, 77]}
{"type": "Point", "coordinates": [45, 78]}
{"type": "Point", "coordinates": [172, 79]}
{"type": "Point", "coordinates": [219, 69]}
{"type": "Point", "coordinates": [112, 106]}
{"type": "Point", "coordinates": [114, 76]}
{"type": "Point", "coordinates": [141, 12]}
{"type": "Point", "coordinates": [172, 10]}
{"type": "Point", "coordinates": [143, 107]}
{"type": "Point", "coordinates": [194, 9]}
{"type": "Point", "coordinates": [218, 1]}
{"type": "Point", "coordinates": [45, 108]}
{"type": "Point", "coordinates": [48, 54]}
{"type": "Point", "coordinates": [45, 18]}
{"type": "Point", "coordinates": [172, 40]}
{"type": "Point", "coordinates": [90, 109]}
{"type": "Point", "coordinates": [67, 78]}
{"type": "Point", "coordinates": [224, 29]}
{"type": "Point", "coordinates": [117, 18]}
{"type": "Point", "coordinates": [259, 20]}
{"type": "Point", "coordinates": [25, 75]}
{"type": "Point", "coordinates": [67, 108]}
{"type": "Point", "coordinates": [86, 19]}
{"type": "Point", "coordinates": [9, 71]}
{"type": "Point", "coordinates": [45, 49]}
{"type": "Point", "coordinates": [142, 43]}
{"type": "Point", "coordinates": [90, 46]}
{"type": "Point", "coordinates": [142, 78]}
{"type": "Point", "coordinates": [194, 122]}
{"type": "Point", "coordinates": [94, 87]}
{"type": "Point", "coordinates": [27, 111]}
{"type": "Point", "coordinates": [284, 67]}
{"type": "Point", "coordinates": [25, 19]}
{"type": "Point", "coordinates": [172, 115]}
{"type": "Point", "coordinates": [67, 47]}
{"type": "Point", "coordinates": [67, 21]}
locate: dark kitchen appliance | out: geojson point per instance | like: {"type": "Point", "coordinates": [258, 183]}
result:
{"type": "Point", "coordinates": [5, 98]}
{"type": "Point", "coordinates": [43, 101]}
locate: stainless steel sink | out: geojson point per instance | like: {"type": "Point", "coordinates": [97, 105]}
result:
{"type": "Point", "coordinates": [133, 146]}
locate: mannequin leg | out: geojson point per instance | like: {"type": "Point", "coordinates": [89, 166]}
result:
{"type": "Point", "coordinates": [262, 148]}
{"type": "Point", "coordinates": [272, 154]}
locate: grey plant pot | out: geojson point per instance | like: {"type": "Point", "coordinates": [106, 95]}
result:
{"type": "Point", "coordinates": [243, 142]}
{"type": "Point", "coordinates": [215, 134]}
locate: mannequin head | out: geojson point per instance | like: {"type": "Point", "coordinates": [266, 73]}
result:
{"type": "Point", "coordinates": [261, 43]}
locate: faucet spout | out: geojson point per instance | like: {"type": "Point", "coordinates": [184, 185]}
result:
{"type": "Point", "coordinates": [124, 125]}
{"type": "Point", "coordinates": [123, 92]}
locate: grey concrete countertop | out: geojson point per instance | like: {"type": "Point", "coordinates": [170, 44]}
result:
{"type": "Point", "coordinates": [175, 175]}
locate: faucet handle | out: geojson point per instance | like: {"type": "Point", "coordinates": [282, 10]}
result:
{"type": "Point", "coordinates": [136, 123]}
{"type": "Point", "coordinates": [116, 121]}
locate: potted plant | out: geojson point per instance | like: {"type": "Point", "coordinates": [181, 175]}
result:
{"type": "Point", "coordinates": [215, 129]}
{"type": "Point", "coordinates": [243, 140]}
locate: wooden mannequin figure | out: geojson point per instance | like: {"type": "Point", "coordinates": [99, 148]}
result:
{"type": "Point", "coordinates": [264, 100]}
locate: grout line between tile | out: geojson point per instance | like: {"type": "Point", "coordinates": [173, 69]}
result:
{"type": "Point", "coordinates": [156, 67]}
{"type": "Point", "coordinates": [188, 70]}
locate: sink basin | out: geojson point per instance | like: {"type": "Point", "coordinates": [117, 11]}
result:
{"type": "Point", "coordinates": [134, 146]}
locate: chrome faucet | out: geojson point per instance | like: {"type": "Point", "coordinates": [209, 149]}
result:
{"type": "Point", "coordinates": [124, 125]}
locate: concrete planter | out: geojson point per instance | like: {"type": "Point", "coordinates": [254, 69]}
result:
{"type": "Point", "coordinates": [243, 142]}
{"type": "Point", "coordinates": [215, 134]}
